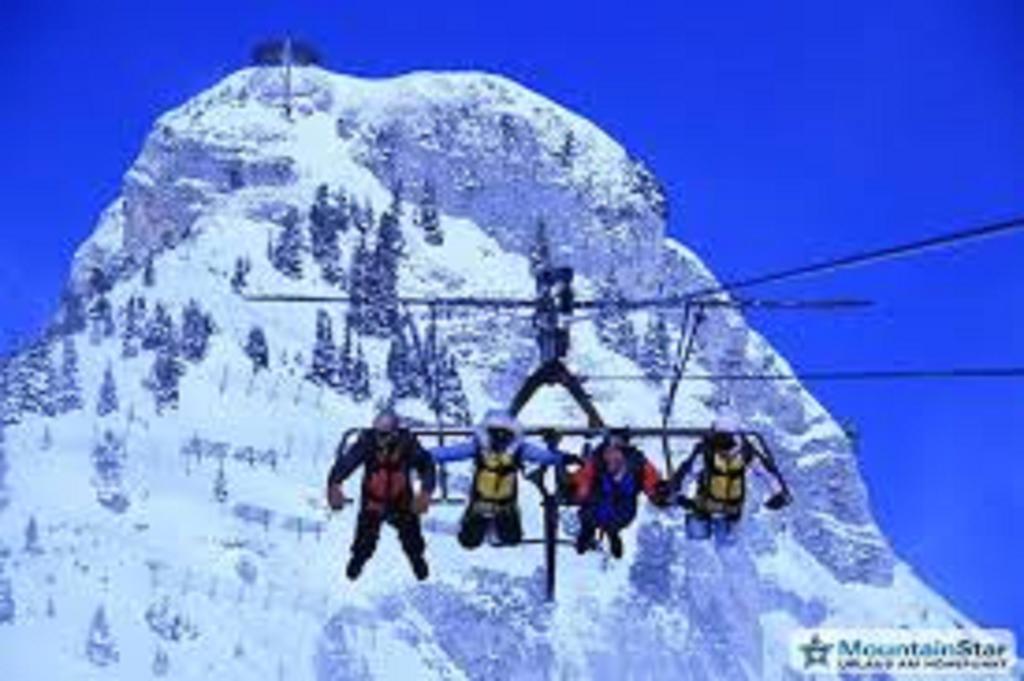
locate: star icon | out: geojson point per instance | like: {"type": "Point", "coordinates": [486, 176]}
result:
{"type": "Point", "coordinates": [816, 652]}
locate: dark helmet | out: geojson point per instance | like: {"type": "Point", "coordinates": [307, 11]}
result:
{"type": "Point", "coordinates": [386, 427]}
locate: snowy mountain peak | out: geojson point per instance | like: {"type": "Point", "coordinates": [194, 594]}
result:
{"type": "Point", "coordinates": [168, 447]}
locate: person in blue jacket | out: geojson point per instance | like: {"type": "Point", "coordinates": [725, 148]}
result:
{"type": "Point", "coordinates": [498, 451]}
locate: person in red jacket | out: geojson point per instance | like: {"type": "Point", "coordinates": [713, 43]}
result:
{"type": "Point", "coordinates": [607, 488]}
{"type": "Point", "coordinates": [390, 456]}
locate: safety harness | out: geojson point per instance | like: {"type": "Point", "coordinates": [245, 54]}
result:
{"type": "Point", "coordinates": [386, 483]}
{"type": "Point", "coordinates": [722, 484]}
{"type": "Point", "coordinates": [495, 480]}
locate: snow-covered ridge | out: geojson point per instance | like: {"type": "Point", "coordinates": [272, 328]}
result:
{"type": "Point", "coordinates": [189, 542]}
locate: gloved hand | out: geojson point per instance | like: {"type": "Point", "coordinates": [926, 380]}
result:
{"type": "Point", "coordinates": [778, 500]}
{"type": "Point", "coordinates": [336, 498]}
{"type": "Point", "coordinates": [421, 502]}
{"type": "Point", "coordinates": [662, 497]}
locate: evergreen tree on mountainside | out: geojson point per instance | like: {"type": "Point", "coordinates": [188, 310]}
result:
{"type": "Point", "coordinates": [164, 379]}
{"type": "Point", "coordinates": [4, 467]}
{"type": "Point", "coordinates": [360, 286]}
{"type": "Point", "coordinates": [324, 369]}
{"type": "Point", "coordinates": [346, 361]}
{"type": "Point", "coordinates": [220, 486]}
{"type": "Point", "coordinates": [108, 457]}
{"type": "Point", "coordinates": [72, 313]}
{"type": "Point", "coordinates": [397, 196]}
{"type": "Point", "coordinates": [107, 402]}
{"type": "Point", "coordinates": [286, 253]}
{"type": "Point", "coordinates": [240, 277]}
{"type": "Point", "coordinates": [9, 413]}
{"type": "Point", "coordinates": [101, 316]}
{"type": "Point", "coordinates": [149, 273]}
{"type": "Point", "coordinates": [614, 326]}
{"type": "Point", "coordinates": [257, 350]}
{"type": "Point", "coordinates": [132, 327]}
{"type": "Point", "coordinates": [568, 150]}
{"type": "Point", "coordinates": [36, 381]}
{"type": "Point", "coordinates": [69, 392]}
{"type": "Point", "coordinates": [360, 376]}
{"type": "Point", "coordinates": [402, 369]}
{"type": "Point", "coordinates": [452, 403]}
{"type": "Point", "coordinates": [325, 222]}
{"type": "Point", "coordinates": [380, 315]}
{"type": "Point", "coordinates": [32, 545]}
{"type": "Point", "coordinates": [427, 216]}
{"type": "Point", "coordinates": [540, 250]}
{"type": "Point", "coordinates": [655, 351]}
{"type": "Point", "coordinates": [159, 333]}
{"type": "Point", "coordinates": [196, 329]}
{"type": "Point", "coordinates": [100, 647]}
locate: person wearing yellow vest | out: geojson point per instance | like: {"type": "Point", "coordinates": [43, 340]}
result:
{"type": "Point", "coordinates": [498, 452]}
{"type": "Point", "coordinates": [724, 455]}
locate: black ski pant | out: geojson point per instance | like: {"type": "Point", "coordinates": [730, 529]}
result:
{"type": "Point", "coordinates": [589, 524]}
{"type": "Point", "coordinates": [507, 526]}
{"type": "Point", "coordinates": [552, 373]}
{"type": "Point", "coordinates": [404, 521]}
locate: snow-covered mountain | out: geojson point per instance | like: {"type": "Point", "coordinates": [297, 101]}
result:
{"type": "Point", "coordinates": [165, 446]}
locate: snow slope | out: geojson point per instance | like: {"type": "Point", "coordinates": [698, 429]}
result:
{"type": "Point", "coordinates": [252, 586]}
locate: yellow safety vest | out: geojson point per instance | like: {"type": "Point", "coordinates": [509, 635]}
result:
{"type": "Point", "coordinates": [496, 476]}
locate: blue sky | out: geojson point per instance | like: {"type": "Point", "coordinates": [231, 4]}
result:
{"type": "Point", "coordinates": [783, 131]}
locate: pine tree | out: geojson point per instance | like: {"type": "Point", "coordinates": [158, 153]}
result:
{"type": "Point", "coordinates": [381, 286]}
{"type": "Point", "coordinates": [257, 350]}
{"type": "Point", "coordinates": [401, 369]}
{"type": "Point", "coordinates": [100, 647]}
{"type": "Point", "coordinates": [131, 330]}
{"type": "Point", "coordinates": [164, 379]}
{"type": "Point", "coordinates": [346, 362]}
{"type": "Point", "coordinates": [107, 402]}
{"type": "Point", "coordinates": [161, 663]}
{"type": "Point", "coordinates": [4, 467]}
{"type": "Point", "coordinates": [325, 222]}
{"type": "Point", "coordinates": [397, 195]}
{"type": "Point", "coordinates": [240, 278]}
{"type": "Point", "coordinates": [286, 254]}
{"type": "Point", "coordinates": [614, 327]}
{"type": "Point", "coordinates": [159, 333]}
{"type": "Point", "coordinates": [220, 486]}
{"type": "Point", "coordinates": [72, 313]}
{"type": "Point", "coordinates": [108, 466]}
{"type": "Point", "coordinates": [567, 152]}
{"type": "Point", "coordinates": [36, 382]}
{"type": "Point", "coordinates": [32, 537]}
{"type": "Point", "coordinates": [360, 286]}
{"type": "Point", "coordinates": [453, 404]}
{"type": "Point", "coordinates": [149, 273]}
{"type": "Point", "coordinates": [8, 395]}
{"type": "Point", "coordinates": [69, 393]}
{"type": "Point", "coordinates": [101, 314]}
{"type": "Point", "coordinates": [360, 376]}
{"type": "Point", "coordinates": [8, 608]}
{"type": "Point", "coordinates": [540, 251]}
{"type": "Point", "coordinates": [196, 329]}
{"type": "Point", "coordinates": [656, 348]}
{"type": "Point", "coordinates": [324, 370]}
{"type": "Point", "coordinates": [427, 217]}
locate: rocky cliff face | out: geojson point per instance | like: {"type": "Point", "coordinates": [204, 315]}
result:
{"type": "Point", "coordinates": [228, 178]}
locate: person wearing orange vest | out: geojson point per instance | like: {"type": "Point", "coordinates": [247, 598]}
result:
{"type": "Point", "coordinates": [389, 455]}
{"type": "Point", "coordinates": [607, 488]}
{"type": "Point", "coordinates": [725, 455]}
